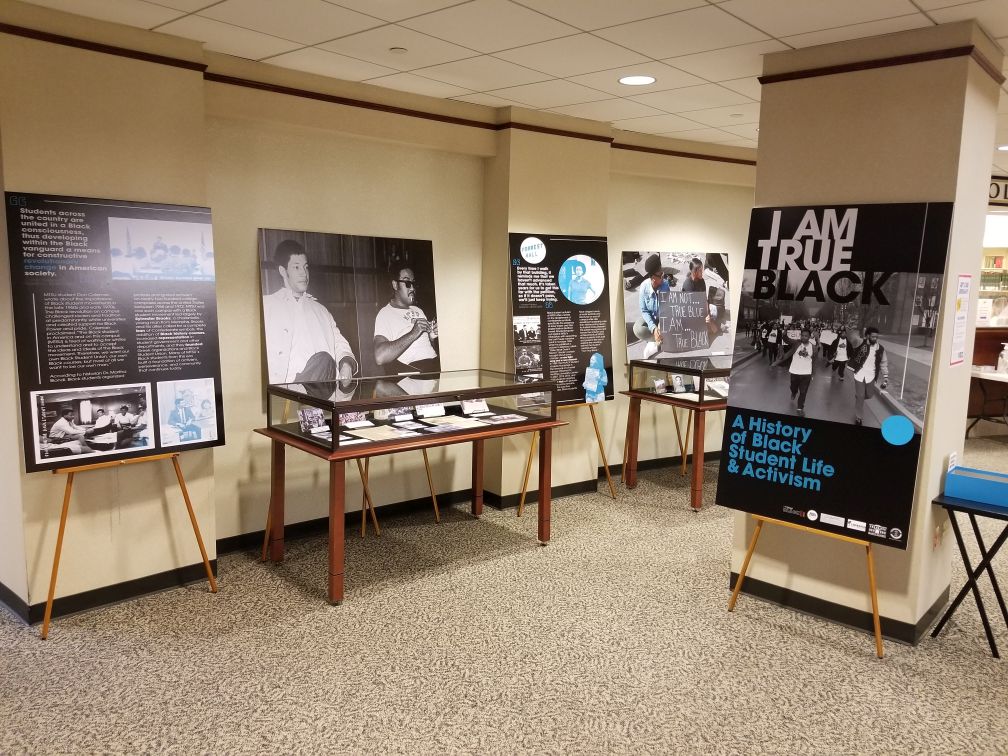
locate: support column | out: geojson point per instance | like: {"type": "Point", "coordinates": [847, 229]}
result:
{"type": "Point", "coordinates": [908, 117]}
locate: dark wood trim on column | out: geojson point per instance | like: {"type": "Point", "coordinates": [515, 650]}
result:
{"type": "Point", "coordinates": [83, 44]}
{"type": "Point", "coordinates": [899, 60]}
{"type": "Point", "coordinates": [678, 153]}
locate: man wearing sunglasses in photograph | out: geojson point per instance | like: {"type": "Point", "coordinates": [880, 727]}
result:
{"type": "Point", "coordinates": [403, 340]}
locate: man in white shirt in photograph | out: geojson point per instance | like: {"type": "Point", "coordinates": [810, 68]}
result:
{"type": "Point", "coordinates": [870, 365]}
{"type": "Point", "coordinates": [65, 429]}
{"type": "Point", "coordinates": [403, 337]}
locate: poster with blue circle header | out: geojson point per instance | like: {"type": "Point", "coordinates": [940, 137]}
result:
{"type": "Point", "coordinates": [561, 329]}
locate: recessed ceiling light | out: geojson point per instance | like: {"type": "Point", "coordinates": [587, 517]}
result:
{"type": "Point", "coordinates": [398, 50]}
{"type": "Point", "coordinates": [637, 81]}
{"type": "Point", "coordinates": [1003, 148]}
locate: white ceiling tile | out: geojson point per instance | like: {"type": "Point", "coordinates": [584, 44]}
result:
{"type": "Point", "coordinates": [728, 63]}
{"type": "Point", "coordinates": [733, 115]}
{"type": "Point", "coordinates": [786, 17]}
{"type": "Point", "coordinates": [749, 86]}
{"type": "Point", "coordinates": [489, 25]}
{"type": "Point", "coordinates": [551, 94]}
{"type": "Point", "coordinates": [396, 10]}
{"type": "Point", "coordinates": [691, 98]}
{"type": "Point", "coordinates": [306, 21]}
{"type": "Point", "coordinates": [595, 14]}
{"type": "Point", "coordinates": [689, 31]}
{"type": "Point", "coordinates": [570, 56]}
{"type": "Point", "coordinates": [482, 73]}
{"type": "Point", "coordinates": [666, 77]}
{"type": "Point", "coordinates": [992, 15]}
{"type": "Point", "coordinates": [489, 100]}
{"type": "Point", "coordinates": [130, 12]}
{"type": "Point", "coordinates": [189, 6]}
{"type": "Point", "coordinates": [702, 135]}
{"type": "Point", "coordinates": [928, 5]}
{"type": "Point", "coordinates": [746, 131]}
{"type": "Point", "coordinates": [229, 39]}
{"type": "Point", "coordinates": [608, 110]}
{"type": "Point", "coordinates": [405, 82]}
{"type": "Point", "coordinates": [657, 124]}
{"type": "Point", "coordinates": [858, 31]}
{"type": "Point", "coordinates": [313, 60]}
{"type": "Point", "coordinates": [421, 50]}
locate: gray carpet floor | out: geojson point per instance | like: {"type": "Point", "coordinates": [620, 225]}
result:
{"type": "Point", "coordinates": [468, 637]}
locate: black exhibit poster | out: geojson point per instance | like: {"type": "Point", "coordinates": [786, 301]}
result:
{"type": "Point", "coordinates": [560, 314]}
{"type": "Point", "coordinates": [337, 306]}
{"type": "Point", "coordinates": [115, 317]}
{"type": "Point", "coordinates": [832, 365]}
{"type": "Point", "coordinates": [676, 304]}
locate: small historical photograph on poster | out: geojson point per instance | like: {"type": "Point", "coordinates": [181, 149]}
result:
{"type": "Point", "coordinates": [527, 329]}
{"type": "Point", "coordinates": [91, 422]}
{"type": "Point", "coordinates": [676, 304]}
{"type": "Point", "coordinates": [528, 358]}
{"type": "Point", "coordinates": [142, 249]}
{"type": "Point", "coordinates": [187, 410]}
{"type": "Point", "coordinates": [337, 306]}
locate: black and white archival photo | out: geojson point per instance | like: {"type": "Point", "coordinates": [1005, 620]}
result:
{"type": "Point", "coordinates": [187, 411]}
{"type": "Point", "coordinates": [527, 329]}
{"type": "Point", "coordinates": [337, 306]}
{"type": "Point", "coordinates": [91, 422]}
{"type": "Point", "coordinates": [676, 304]}
{"type": "Point", "coordinates": [142, 249]}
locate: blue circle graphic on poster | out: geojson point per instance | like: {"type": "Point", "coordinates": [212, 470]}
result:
{"type": "Point", "coordinates": [897, 430]}
{"type": "Point", "coordinates": [581, 279]}
{"type": "Point", "coordinates": [532, 250]}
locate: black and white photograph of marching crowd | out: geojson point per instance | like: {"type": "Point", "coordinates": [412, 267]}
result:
{"type": "Point", "coordinates": [849, 363]}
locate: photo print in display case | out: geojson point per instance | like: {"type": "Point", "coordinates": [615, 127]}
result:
{"type": "Point", "coordinates": [109, 295]}
{"type": "Point", "coordinates": [832, 365]}
{"type": "Point", "coordinates": [560, 321]}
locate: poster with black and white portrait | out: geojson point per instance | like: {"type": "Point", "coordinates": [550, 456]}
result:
{"type": "Point", "coordinates": [832, 365]}
{"type": "Point", "coordinates": [560, 314]}
{"type": "Point", "coordinates": [676, 304]}
{"type": "Point", "coordinates": [109, 295]}
{"type": "Point", "coordinates": [337, 306]}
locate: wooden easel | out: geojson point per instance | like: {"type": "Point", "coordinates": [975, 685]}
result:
{"type": "Point", "coordinates": [70, 473]}
{"type": "Point", "coordinates": [872, 589]}
{"type": "Point", "coordinates": [601, 448]}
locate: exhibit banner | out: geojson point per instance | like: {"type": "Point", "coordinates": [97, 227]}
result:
{"type": "Point", "coordinates": [676, 304]}
{"type": "Point", "coordinates": [832, 367]}
{"type": "Point", "coordinates": [560, 314]}
{"type": "Point", "coordinates": [115, 319]}
{"type": "Point", "coordinates": [339, 306]}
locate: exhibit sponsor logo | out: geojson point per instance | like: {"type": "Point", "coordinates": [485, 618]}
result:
{"type": "Point", "coordinates": [828, 519]}
{"type": "Point", "coordinates": [792, 511]}
{"type": "Point", "coordinates": [895, 533]}
{"type": "Point", "coordinates": [879, 531]}
{"type": "Point", "coordinates": [812, 515]}
{"type": "Point", "coordinates": [859, 525]}
{"type": "Point", "coordinates": [533, 250]}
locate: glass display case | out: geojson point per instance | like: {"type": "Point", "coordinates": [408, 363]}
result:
{"type": "Point", "coordinates": [339, 414]}
{"type": "Point", "coordinates": [703, 380]}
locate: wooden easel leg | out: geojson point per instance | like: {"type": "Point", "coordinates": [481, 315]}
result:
{"type": "Point", "coordinates": [56, 557]}
{"type": "Point", "coordinates": [601, 448]}
{"type": "Point", "coordinates": [874, 601]}
{"type": "Point", "coordinates": [430, 484]}
{"type": "Point", "coordinates": [626, 444]}
{"type": "Point", "coordinates": [528, 469]}
{"type": "Point", "coordinates": [367, 503]}
{"type": "Point", "coordinates": [745, 565]}
{"type": "Point", "coordinates": [689, 430]}
{"type": "Point", "coordinates": [195, 525]}
{"type": "Point", "coordinates": [266, 533]}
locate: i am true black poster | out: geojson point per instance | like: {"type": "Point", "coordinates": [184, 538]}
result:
{"type": "Point", "coordinates": [560, 314]}
{"type": "Point", "coordinates": [115, 318]}
{"type": "Point", "coordinates": [832, 365]}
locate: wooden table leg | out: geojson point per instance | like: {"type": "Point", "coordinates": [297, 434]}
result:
{"type": "Point", "coordinates": [545, 464]}
{"type": "Point", "coordinates": [56, 557]}
{"type": "Point", "coordinates": [696, 485]}
{"type": "Point", "coordinates": [477, 479]}
{"type": "Point", "coordinates": [195, 525]}
{"type": "Point", "coordinates": [277, 474]}
{"type": "Point", "coordinates": [337, 495]}
{"type": "Point", "coordinates": [633, 436]}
